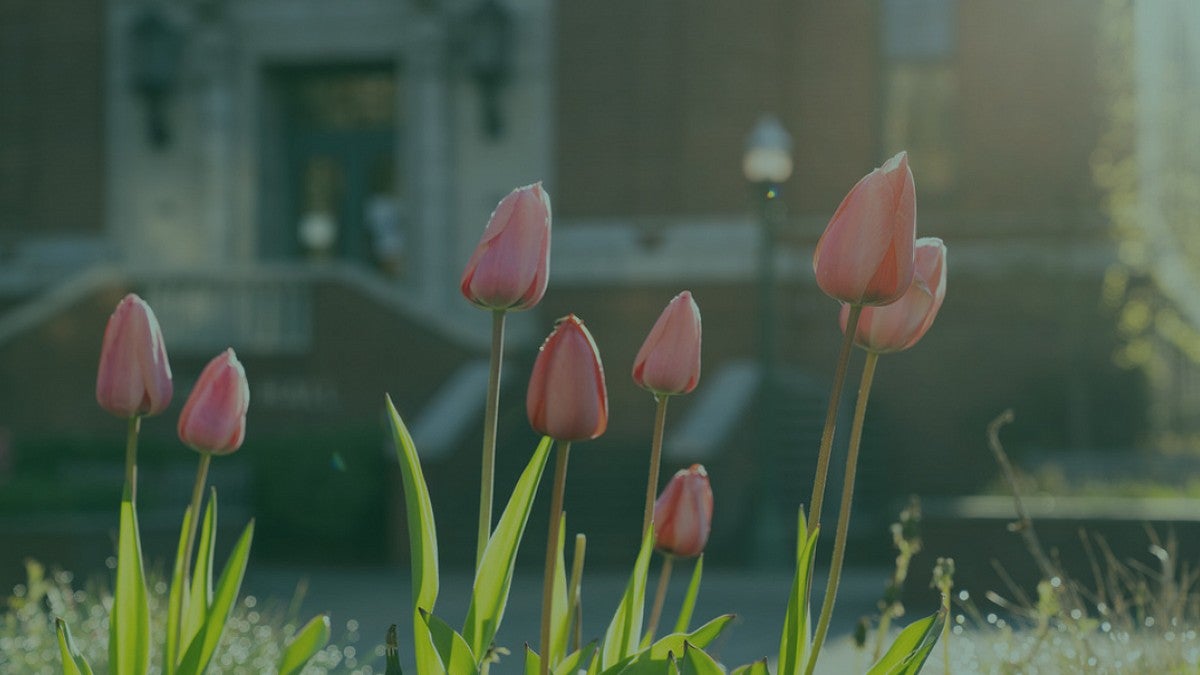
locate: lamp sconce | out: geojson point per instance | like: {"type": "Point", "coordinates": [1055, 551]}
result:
{"type": "Point", "coordinates": [156, 57]}
{"type": "Point", "coordinates": [489, 57]}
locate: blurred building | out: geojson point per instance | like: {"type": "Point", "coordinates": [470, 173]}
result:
{"type": "Point", "coordinates": [304, 179]}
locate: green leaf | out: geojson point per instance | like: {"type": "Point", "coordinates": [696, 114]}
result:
{"type": "Point", "coordinates": [756, 668]}
{"type": "Point", "coordinates": [533, 663]}
{"type": "Point", "coordinates": [175, 598]}
{"type": "Point", "coordinates": [796, 629]}
{"type": "Point", "coordinates": [560, 618]}
{"type": "Point", "coordinates": [129, 621]}
{"type": "Point", "coordinates": [73, 662]}
{"type": "Point", "coordinates": [701, 637]}
{"type": "Point", "coordinates": [422, 538]}
{"type": "Point", "coordinates": [494, 577]}
{"type": "Point", "coordinates": [455, 654]}
{"type": "Point", "coordinates": [195, 609]}
{"type": "Point", "coordinates": [689, 600]}
{"type": "Point", "coordinates": [621, 638]}
{"type": "Point", "coordinates": [200, 651]}
{"type": "Point", "coordinates": [907, 654]}
{"type": "Point", "coordinates": [573, 663]}
{"type": "Point", "coordinates": [311, 639]}
{"type": "Point", "coordinates": [392, 652]}
{"type": "Point", "coordinates": [696, 662]}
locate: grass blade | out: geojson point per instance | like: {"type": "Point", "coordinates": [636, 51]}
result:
{"type": "Point", "coordinates": [73, 662]}
{"type": "Point", "coordinates": [573, 663]}
{"type": "Point", "coordinates": [175, 599]}
{"type": "Point", "coordinates": [621, 638]}
{"type": "Point", "coordinates": [701, 637]}
{"type": "Point", "coordinates": [907, 654]}
{"type": "Point", "coordinates": [129, 621]}
{"type": "Point", "coordinates": [756, 668]}
{"type": "Point", "coordinates": [200, 651]}
{"type": "Point", "coordinates": [689, 600]}
{"type": "Point", "coordinates": [456, 655]}
{"type": "Point", "coordinates": [793, 645]}
{"type": "Point", "coordinates": [696, 662]}
{"type": "Point", "coordinates": [195, 609]}
{"type": "Point", "coordinates": [311, 639]}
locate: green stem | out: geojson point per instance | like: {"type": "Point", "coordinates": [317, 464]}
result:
{"type": "Point", "coordinates": [488, 473]}
{"type": "Point", "coordinates": [835, 398]}
{"type": "Point", "coordinates": [556, 505]}
{"type": "Point", "coordinates": [129, 492]}
{"type": "Point", "coordinates": [843, 525]}
{"type": "Point", "coordinates": [664, 579]}
{"type": "Point", "coordinates": [660, 420]}
{"type": "Point", "coordinates": [197, 494]}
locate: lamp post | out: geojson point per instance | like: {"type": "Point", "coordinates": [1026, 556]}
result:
{"type": "Point", "coordinates": [155, 62]}
{"type": "Point", "coordinates": [489, 53]}
{"type": "Point", "coordinates": [767, 164]}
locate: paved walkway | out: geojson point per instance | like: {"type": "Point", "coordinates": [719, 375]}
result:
{"type": "Point", "coordinates": [376, 597]}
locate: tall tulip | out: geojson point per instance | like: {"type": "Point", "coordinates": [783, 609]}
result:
{"type": "Point", "coordinates": [213, 420]}
{"type": "Point", "coordinates": [865, 256]}
{"type": "Point", "coordinates": [669, 361]}
{"type": "Point", "coordinates": [683, 513]}
{"type": "Point", "coordinates": [510, 266]}
{"type": "Point", "coordinates": [567, 399]}
{"type": "Point", "coordinates": [898, 326]}
{"type": "Point", "coordinates": [134, 377]}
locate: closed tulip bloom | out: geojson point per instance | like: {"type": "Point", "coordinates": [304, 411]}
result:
{"type": "Point", "coordinates": [214, 418]}
{"type": "Point", "coordinates": [511, 264]}
{"type": "Point", "coordinates": [567, 399]}
{"type": "Point", "coordinates": [683, 513]}
{"type": "Point", "coordinates": [134, 376]}
{"type": "Point", "coordinates": [898, 326]}
{"type": "Point", "coordinates": [669, 360]}
{"type": "Point", "coordinates": [865, 256]}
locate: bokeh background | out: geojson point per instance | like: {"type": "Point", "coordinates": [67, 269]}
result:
{"type": "Point", "coordinates": [303, 180]}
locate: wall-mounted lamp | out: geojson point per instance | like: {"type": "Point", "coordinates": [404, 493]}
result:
{"type": "Point", "coordinates": [156, 56]}
{"type": "Point", "coordinates": [489, 35]}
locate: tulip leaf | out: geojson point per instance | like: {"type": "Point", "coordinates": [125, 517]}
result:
{"type": "Point", "coordinates": [621, 638]}
{"type": "Point", "coordinates": [422, 536]}
{"type": "Point", "coordinates": [200, 651]}
{"type": "Point", "coordinates": [560, 617]}
{"type": "Point", "coordinates": [696, 662]}
{"type": "Point", "coordinates": [796, 627]}
{"type": "Point", "coordinates": [689, 600]}
{"type": "Point", "coordinates": [311, 639]}
{"type": "Point", "coordinates": [533, 663]}
{"type": "Point", "coordinates": [573, 662]}
{"type": "Point", "coordinates": [701, 637]}
{"type": "Point", "coordinates": [175, 598]}
{"type": "Point", "coordinates": [453, 651]}
{"type": "Point", "coordinates": [756, 668]}
{"type": "Point", "coordinates": [195, 609]}
{"type": "Point", "coordinates": [129, 620]}
{"type": "Point", "coordinates": [73, 662]}
{"type": "Point", "coordinates": [907, 654]}
{"type": "Point", "coordinates": [493, 580]}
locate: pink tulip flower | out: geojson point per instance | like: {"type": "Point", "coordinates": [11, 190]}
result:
{"type": "Point", "coordinates": [214, 418]}
{"type": "Point", "coordinates": [669, 360]}
{"type": "Point", "coordinates": [683, 513]}
{"type": "Point", "coordinates": [567, 399]}
{"type": "Point", "coordinates": [511, 264]}
{"type": "Point", "coordinates": [898, 326]}
{"type": "Point", "coordinates": [865, 256]}
{"type": "Point", "coordinates": [134, 377]}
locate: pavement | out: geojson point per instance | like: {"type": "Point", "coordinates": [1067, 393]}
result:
{"type": "Point", "coordinates": [367, 600]}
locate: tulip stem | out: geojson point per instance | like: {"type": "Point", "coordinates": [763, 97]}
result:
{"type": "Point", "coordinates": [556, 507]}
{"type": "Point", "coordinates": [843, 525]}
{"type": "Point", "coordinates": [664, 579]}
{"type": "Point", "coordinates": [660, 420]}
{"type": "Point", "coordinates": [194, 521]}
{"type": "Point", "coordinates": [490, 415]}
{"type": "Point", "coordinates": [129, 491]}
{"type": "Point", "coordinates": [835, 398]}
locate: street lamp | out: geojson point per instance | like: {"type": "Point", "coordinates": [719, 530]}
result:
{"type": "Point", "coordinates": [490, 51]}
{"type": "Point", "coordinates": [767, 164]}
{"type": "Point", "coordinates": [155, 61]}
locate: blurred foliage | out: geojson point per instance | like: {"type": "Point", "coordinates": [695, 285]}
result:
{"type": "Point", "coordinates": [252, 643]}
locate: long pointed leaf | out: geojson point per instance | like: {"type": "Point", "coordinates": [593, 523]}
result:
{"type": "Point", "coordinates": [696, 662]}
{"type": "Point", "coordinates": [793, 645]}
{"type": "Point", "coordinates": [573, 663]}
{"type": "Point", "coordinates": [756, 668]}
{"type": "Point", "coordinates": [200, 651]}
{"type": "Point", "coordinates": [422, 536]}
{"type": "Point", "coordinates": [560, 619]}
{"type": "Point", "coordinates": [199, 599]}
{"type": "Point", "coordinates": [689, 600]}
{"type": "Point", "coordinates": [701, 637]}
{"type": "Point", "coordinates": [907, 654]}
{"type": "Point", "coordinates": [456, 655]}
{"type": "Point", "coordinates": [175, 598]}
{"type": "Point", "coordinates": [311, 639]}
{"type": "Point", "coordinates": [494, 577]}
{"type": "Point", "coordinates": [533, 662]}
{"type": "Point", "coordinates": [129, 621]}
{"type": "Point", "coordinates": [73, 662]}
{"type": "Point", "coordinates": [621, 638]}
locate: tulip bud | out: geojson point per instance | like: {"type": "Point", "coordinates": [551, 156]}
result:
{"type": "Point", "coordinates": [134, 377]}
{"type": "Point", "coordinates": [567, 399]}
{"type": "Point", "coordinates": [865, 256]}
{"type": "Point", "coordinates": [214, 418]}
{"type": "Point", "coordinates": [669, 360]}
{"type": "Point", "coordinates": [511, 264]}
{"type": "Point", "coordinates": [683, 513]}
{"type": "Point", "coordinates": [898, 326]}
